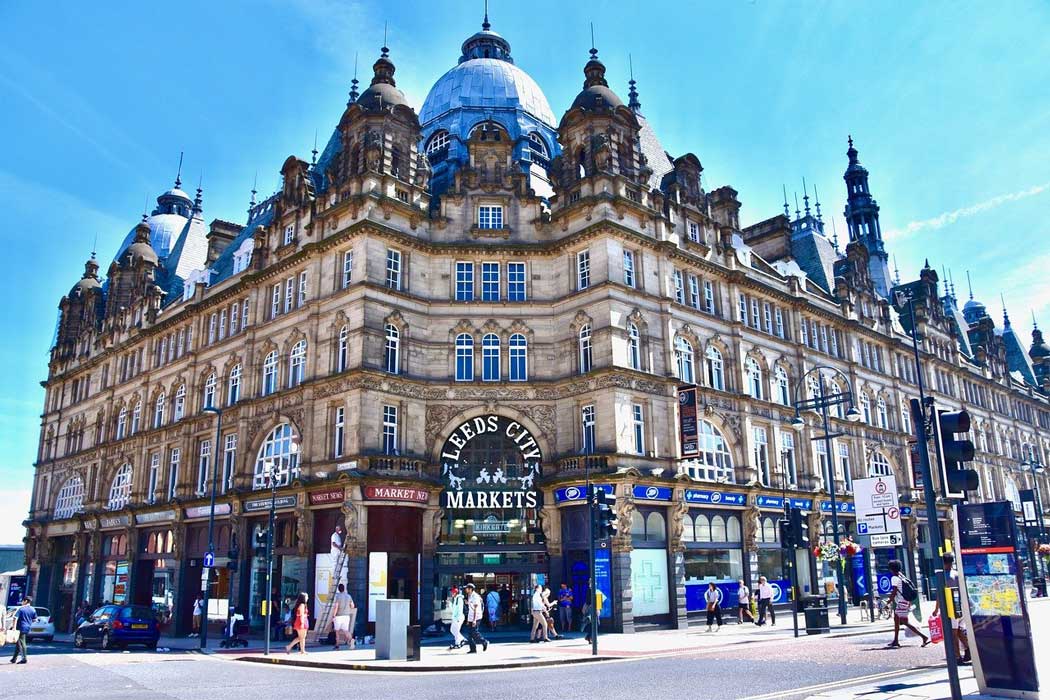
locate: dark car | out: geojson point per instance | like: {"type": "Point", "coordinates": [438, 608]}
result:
{"type": "Point", "coordinates": [117, 626]}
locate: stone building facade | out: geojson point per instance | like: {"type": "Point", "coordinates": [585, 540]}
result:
{"type": "Point", "coordinates": [439, 329]}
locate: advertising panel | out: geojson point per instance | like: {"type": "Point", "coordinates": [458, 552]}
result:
{"type": "Point", "coordinates": [688, 431]}
{"type": "Point", "coordinates": [377, 578]}
{"type": "Point", "coordinates": [649, 582]}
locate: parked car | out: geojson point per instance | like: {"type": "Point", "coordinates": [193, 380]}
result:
{"type": "Point", "coordinates": [43, 627]}
{"type": "Point", "coordinates": [117, 626]}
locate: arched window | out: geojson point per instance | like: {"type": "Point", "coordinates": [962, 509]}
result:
{"type": "Point", "coordinates": [634, 347]}
{"type": "Point", "coordinates": [120, 489]}
{"type": "Point", "coordinates": [159, 407]}
{"type": "Point", "coordinates": [881, 413]}
{"type": "Point", "coordinates": [812, 387]}
{"type": "Point", "coordinates": [718, 529]}
{"type": "Point", "coordinates": [769, 530]}
{"type": "Point", "coordinates": [537, 148]}
{"type": "Point", "coordinates": [208, 396]}
{"type": "Point", "coordinates": [688, 534]}
{"type": "Point", "coordinates": [392, 349]}
{"type": "Point", "coordinates": [878, 465]}
{"type": "Point", "coordinates": [464, 358]}
{"type": "Point", "coordinates": [280, 451]}
{"type": "Point", "coordinates": [122, 422]}
{"type": "Point", "coordinates": [1012, 494]}
{"type": "Point", "coordinates": [490, 358]}
{"type": "Point", "coordinates": [437, 146]}
{"type": "Point", "coordinates": [179, 409]}
{"type": "Point", "coordinates": [714, 462]}
{"type": "Point", "coordinates": [839, 409]}
{"type": "Point", "coordinates": [703, 528]}
{"type": "Point", "coordinates": [716, 378]}
{"type": "Point", "coordinates": [683, 357]}
{"type": "Point", "coordinates": [136, 417]}
{"type": "Point", "coordinates": [585, 349]}
{"type": "Point", "coordinates": [70, 498]}
{"type": "Point", "coordinates": [754, 378]}
{"type": "Point", "coordinates": [782, 388]}
{"type": "Point", "coordinates": [655, 527]}
{"type": "Point", "coordinates": [865, 407]}
{"type": "Point", "coordinates": [269, 378]}
{"type": "Point", "coordinates": [341, 351]}
{"type": "Point", "coordinates": [637, 525]}
{"type": "Point", "coordinates": [297, 364]}
{"type": "Point", "coordinates": [733, 529]}
{"type": "Point", "coordinates": [233, 389]}
{"type": "Point", "coordinates": [519, 358]}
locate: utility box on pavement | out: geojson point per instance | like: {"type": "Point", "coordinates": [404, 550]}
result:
{"type": "Point", "coordinates": [815, 608]}
{"type": "Point", "coordinates": [415, 634]}
{"type": "Point", "coordinates": [391, 629]}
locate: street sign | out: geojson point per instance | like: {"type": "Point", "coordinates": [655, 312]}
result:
{"type": "Point", "coordinates": [209, 560]}
{"type": "Point", "coordinates": [893, 539]}
{"type": "Point", "coordinates": [878, 509]}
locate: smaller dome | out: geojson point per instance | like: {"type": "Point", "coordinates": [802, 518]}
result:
{"type": "Point", "coordinates": [383, 92]}
{"type": "Point", "coordinates": [178, 194]}
{"type": "Point", "coordinates": [90, 279]}
{"type": "Point", "coordinates": [1039, 348]}
{"type": "Point", "coordinates": [596, 94]}
{"type": "Point", "coordinates": [141, 247]}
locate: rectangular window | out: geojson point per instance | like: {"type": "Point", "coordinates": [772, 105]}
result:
{"type": "Point", "coordinates": [843, 470]}
{"type": "Point", "coordinates": [694, 231]}
{"type": "Point", "coordinates": [203, 467]}
{"type": "Point", "coordinates": [516, 281]}
{"type": "Point", "coordinates": [638, 424]}
{"type": "Point", "coordinates": [338, 431]}
{"type": "Point", "coordinates": [787, 452]}
{"type": "Point", "coordinates": [289, 293]}
{"type": "Point", "coordinates": [154, 470]}
{"type": "Point", "coordinates": [490, 281]}
{"type": "Point", "coordinates": [762, 455]}
{"type": "Point", "coordinates": [212, 323]}
{"type": "Point", "coordinates": [348, 268]}
{"type": "Point", "coordinates": [679, 291]}
{"type": "Point", "coordinates": [302, 289]}
{"type": "Point", "coordinates": [464, 281]}
{"type": "Point", "coordinates": [834, 342]}
{"type": "Point", "coordinates": [813, 334]}
{"type": "Point", "coordinates": [583, 269]}
{"type": "Point", "coordinates": [235, 312]}
{"type": "Point", "coordinates": [628, 268]}
{"type": "Point", "coordinates": [756, 322]}
{"type": "Point", "coordinates": [822, 463]}
{"type": "Point", "coordinates": [229, 461]}
{"type": "Point", "coordinates": [767, 317]}
{"type": "Point", "coordinates": [824, 338]}
{"type": "Point", "coordinates": [393, 269]}
{"type": "Point", "coordinates": [490, 216]}
{"type": "Point", "coordinates": [289, 234]}
{"type": "Point", "coordinates": [804, 334]}
{"type": "Point", "coordinates": [587, 429]}
{"type": "Point", "coordinates": [709, 296]}
{"type": "Point", "coordinates": [778, 320]}
{"type": "Point", "coordinates": [694, 292]}
{"type": "Point", "coordinates": [742, 310]}
{"type": "Point", "coordinates": [222, 324]}
{"type": "Point", "coordinates": [390, 430]}
{"type": "Point", "coordinates": [173, 473]}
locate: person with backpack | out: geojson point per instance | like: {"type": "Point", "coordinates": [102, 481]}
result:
{"type": "Point", "coordinates": [903, 595]}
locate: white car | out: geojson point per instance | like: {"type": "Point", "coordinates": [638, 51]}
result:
{"type": "Point", "coordinates": [43, 627]}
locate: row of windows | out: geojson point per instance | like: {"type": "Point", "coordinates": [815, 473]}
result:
{"type": "Point", "coordinates": [821, 337]}
{"type": "Point", "coordinates": [492, 284]}
{"type": "Point", "coordinates": [288, 295]}
{"type": "Point", "coordinates": [762, 316]}
{"type": "Point", "coordinates": [229, 320]}
{"type": "Point", "coordinates": [176, 344]}
{"type": "Point", "coordinates": [517, 364]}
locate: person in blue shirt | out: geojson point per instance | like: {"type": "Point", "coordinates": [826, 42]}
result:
{"type": "Point", "coordinates": [24, 618]}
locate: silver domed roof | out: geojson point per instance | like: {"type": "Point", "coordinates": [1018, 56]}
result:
{"type": "Point", "coordinates": [486, 82]}
{"type": "Point", "coordinates": [164, 229]}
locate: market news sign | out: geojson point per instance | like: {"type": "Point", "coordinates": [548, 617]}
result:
{"type": "Point", "coordinates": [501, 472]}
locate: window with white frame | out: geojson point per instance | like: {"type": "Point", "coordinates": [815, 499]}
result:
{"type": "Point", "coordinates": [782, 387]}
{"type": "Point", "coordinates": [878, 465]}
{"type": "Point", "coordinates": [714, 462]}
{"type": "Point", "coordinates": [464, 281]}
{"type": "Point", "coordinates": [754, 378]}
{"type": "Point", "coordinates": [583, 269]}
{"type": "Point", "coordinates": [338, 430]}
{"type": "Point", "coordinates": [881, 413]}
{"type": "Point", "coordinates": [490, 351]}
{"type": "Point", "coordinates": [587, 429]}
{"type": "Point", "coordinates": [280, 452]}
{"type": "Point", "coordinates": [845, 474]}
{"type": "Point", "coordinates": [289, 294]}
{"type": "Point", "coordinates": [159, 407]}
{"type": "Point", "coordinates": [302, 289]}
{"type": "Point", "coordinates": [154, 477]}
{"type": "Point", "coordinates": [638, 428]}
{"type": "Point", "coordinates": [390, 436]}
{"type": "Point", "coordinates": [585, 349]}
{"type": "Point", "coordinates": [742, 309]}
{"type": "Point", "coordinates": [787, 456]}
{"type": "Point", "coordinates": [490, 281]}
{"type": "Point", "coordinates": [906, 420]}
{"type": "Point", "coordinates": [393, 269]}
{"type": "Point", "coordinates": [519, 358]}
{"type": "Point", "coordinates": [679, 288]}
{"type": "Point", "coordinates": [823, 467]}
{"type": "Point", "coordinates": [778, 322]}
{"type": "Point", "coordinates": [348, 268]}
{"type": "Point", "coordinates": [213, 323]}
{"type": "Point", "coordinates": [709, 296]}
{"type": "Point", "coordinates": [464, 358]}
{"type": "Point", "coordinates": [756, 323]}
{"type": "Point", "coordinates": [289, 234]}
{"type": "Point", "coordinates": [173, 472]}
{"type": "Point", "coordinates": [342, 349]}
{"type": "Point", "coordinates": [70, 498]}
{"type": "Point", "coordinates": [516, 281]}
{"type": "Point", "coordinates": [203, 467]}
{"type": "Point", "coordinates": [234, 318]}
{"type": "Point", "coordinates": [179, 409]}
{"type": "Point", "coordinates": [634, 347]}
{"type": "Point", "coordinates": [297, 364]}
{"type": "Point", "coordinates": [715, 369]}
{"type": "Point", "coordinates": [694, 231]}
{"type": "Point", "coordinates": [761, 455]}
{"type": "Point", "coordinates": [222, 323]}
{"type": "Point", "coordinates": [275, 300]}
{"type": "Point", "coordinates": [694, 292]}
{"type": "Point", "coordinates": [767, 317]}
{"type": "Point", "coordinates": [490, 216]}
{"type": "Point", "coordinates": [269, 378]}
{"type": "Point", "coordinates": [233, 386]}
{"type": "Point", "coordinates": [628, 268]}
{"type": "Point", "coordinates": [208, 396]}
{"type": "Point", "coordinates": [684, 360]}
{"type": "Point", "coordinates": [865, 407]}
{"type": "Point", "coordinates": [229, 461]}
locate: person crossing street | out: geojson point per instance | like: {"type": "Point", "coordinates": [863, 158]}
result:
{"type": "Point", "coordinates": [24, 618]}
{"type": "Point", "coordinates": [475, 616]}
{"type": "Point", "coordinates": [456, 604]}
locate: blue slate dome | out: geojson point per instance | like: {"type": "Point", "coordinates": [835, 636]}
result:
{"type": "Point", "coordinates": [486, 82]}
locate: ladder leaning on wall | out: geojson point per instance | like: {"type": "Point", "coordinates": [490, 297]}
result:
{"type": "Point", "coordinates": [320, 630]}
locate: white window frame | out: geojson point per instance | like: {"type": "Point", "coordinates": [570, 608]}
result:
{"type": "Point", "coordinates": [393, 269]}
{"type": "Point", "coordinates": [583, 269]}
{"type": "Point", "coordinates": [628, 268]}
{"type": "Point", "coordinates": [516, 269]}
{"type": "Point", "coordinates": [490, 216]}
{"type": "Point", "coordinates": [464, 280]}
{"type": "Point", "coordinates": [587, 429]}
{"type": "Point", "coordinates": [390, 432]}
{"type": "Point", "coordinates": [638, 428]}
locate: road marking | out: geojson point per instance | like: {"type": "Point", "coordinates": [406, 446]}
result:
{"type": "Point", "coordinates": [845, 682]}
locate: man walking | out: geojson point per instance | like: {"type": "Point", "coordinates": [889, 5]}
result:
{"type": "Point", "coordinates": [902, 595]}
{"type": "Point", "coordinates": [951, 579]}
{"type": "Point", "coordinates": [344, 614]}
{"type": "Point", "coordinates": [539, 619]}
{"type": "Point", "coordinates": [456, 605]}
{"type": "Point", "coordinates": [24, 618]}
{"type": "Point", "coordinates": [743, 602]}
{"type": "Point", "coordinates": [475, 616]}
{"type": "Point", "coordinates": [765, 602]}
{"type": "Point", "coordinates": [565, 608]}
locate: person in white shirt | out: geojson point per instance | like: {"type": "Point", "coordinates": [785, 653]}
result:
{"type": "Point", "coordinates": [539, 616]}
{"type": "Point", "coordinates": [345, 614]}
{"type": "Point", "coordinates": [475, 616]}
{"type": "Point", "coordinates": [198, 607]}
{"type": "Point", "coordinates": [902, 602]}
{"type": "Point", "coordinates": [765, 602]}
{"type": "Point", "coordinates": [743, 602]}
{"type": "Point", "coordinates": [456, 604]}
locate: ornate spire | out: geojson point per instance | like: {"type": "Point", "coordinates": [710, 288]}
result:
{"type": "Point", "coordinates": [798, 212]}
{"type": "Point", "coordinates": [251, 202]}
{"type": "Point", "coordinates": [313, 156]}
{"type": "Point", "coordinates": [787, 211]}
{"type": "Point", "coordinates": [817, 198]}
{"type": "Point", "coordinates": [595, 69]}
{"type": "Point", "coordinates": [834, 235]}
{"type": "Point", "coordinates": [969, 284]}
{"type": "Point", "coordinates": [354, 94]}
{"type": "Point", "coordinates": [896, 270]}
{"type": "Point", "coordinates": [851, 152]}
{"type": "Point", "coordinates": [485, 26]}
{"type": "Point", "coordinates": [178, 175]}
{"type": "Point", "coordinates": [1006, 316]}
{"type": "Point", "coordinates": [1035, 326]}
{"type": "Point", "coordinates": [632, 91]}
{"type": "Point", "coordinates": [805, 196]}
{"type": "Point", "coordinates": [198, 201]}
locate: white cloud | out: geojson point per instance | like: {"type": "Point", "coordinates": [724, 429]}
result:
{"type": "Point", "coordinates": [14, 504]}
{"type": "Point", "coordinates": [951, 217]}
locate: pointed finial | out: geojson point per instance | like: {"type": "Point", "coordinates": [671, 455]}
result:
{"type": "Point", "coordinates": [1006, 317]}
{"type": "Point", "coordinates": [594, 51]}
{"type": "Point", "coordinates": [817, 197]}
{"type": "Point", "coordinates": [951, 284]}
{"type": "Point", "coordinates": [313, 159]}
{"type": "Point", "coordinates": [632, 91]}
{"type": "Point", "coordinates": [896, 272]}
{"type": "Point", "coordinates": [354, 94]}
{"type": "Point", "coordinates": [787, 211]}
{"type": "Point", "coordinates": [850, 139]}
{"type": "Point", "coordinates": [485, 24]}
{"type": "Point", "coordinates": [1035, 326]}
{"type": "Point", "coordinates": [798, 213]}
{"type": "Point", "coordinates": [926, 265]}
{"type": "Point", "coordinates": [805, 196]}
{"type": "Point", "coordinates": [178, 175]}
{"type": "Point", "coordinates": [94, 247]}
{"type": "Point", "coordinates": [199, 199]}
{"type": "Point", "coordinates": [255, 183]}
{"type": "Point", "coordinates": [834, 235]}
{"type": "Point", "coordinates": [969, 284]}
{"type": "Point", "coordinates": [384, 52]}
{"type": "Point", "coordinates": [145, 206]}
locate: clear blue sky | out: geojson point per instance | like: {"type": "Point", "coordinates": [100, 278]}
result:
{"type": "Point", "coordinates": [948, 102]}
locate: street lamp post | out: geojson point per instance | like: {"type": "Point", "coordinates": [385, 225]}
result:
{"type": "Point", "coordinates": [210, 555]}
{"type": "Point", "coordinates": [273, 473]}
{"type": "Point", "coordinates": [1038, 469]}
{"type": "Point", "coordinates": [822, 402]}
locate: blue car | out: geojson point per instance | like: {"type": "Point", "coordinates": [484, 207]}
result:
{"type": "Point", "coordinates": [117, 626]}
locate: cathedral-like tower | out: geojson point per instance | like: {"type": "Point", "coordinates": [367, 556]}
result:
{"type": "Point", "coordinates": [862, 216]}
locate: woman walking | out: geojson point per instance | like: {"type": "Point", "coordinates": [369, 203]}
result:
{"type": "Point", "coordinates": [714, 609]}
{"type": "Point", "coordinates": [300, 624]}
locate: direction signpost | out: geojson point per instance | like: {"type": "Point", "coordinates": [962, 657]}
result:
{"type": "Point", "coordinates": [878, 517]}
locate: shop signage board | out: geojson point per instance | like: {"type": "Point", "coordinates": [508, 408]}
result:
{"type": "Point", "coordinates": [263, 504]}
{"type": "Point", "coordinates": [603, 575]}
{"type": "Point", "coordinates": [995, 602]}
{"type": "Point", "coordinates": [727, 594]}
{"type": "Point", "coordinates": [651, 493]}
{"type": "Point", "coordinates": [115, 521]}
{"type": "Point", "coordinates": [205, 511]}
{"type": "Point", "coordinates": [1029, 507]}
{"type": "Point", "coordinates": [396, 493]}
{"type": "Point", "coordinates": [843, 506]}
{"type": "Point", "coordinates": [878, 508]}
{"type": "Point", "coordinates": [473, 486]}
{"type": "Point", "coordinates": [159, 516]}
{"type": "Point", "coordinates": [715, 497]}
{"type": "Point", "coordinates": [579, 493]}
{"type": "Point", "coordinates": [329, 497]}
{"type": "Point", "coordinates": [688, 422]}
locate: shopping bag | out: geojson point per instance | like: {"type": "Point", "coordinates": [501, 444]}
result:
{"type": "Point", "coordinates": [936, 629]}
{"type": "Point", "coordinates": [11, 637]}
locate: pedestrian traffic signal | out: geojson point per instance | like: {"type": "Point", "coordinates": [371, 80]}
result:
{"type": "Point", "coordinates": [799, 529]}
{"type": "Point", "coordinates": [259, 540]}
{"type": "Point", "coordinates": [954, 451]}
{"type": "Point", "coordinates": [605, 524]}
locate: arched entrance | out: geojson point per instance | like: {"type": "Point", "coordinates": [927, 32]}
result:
{"type": "Point", "coordinates": [490, 534]}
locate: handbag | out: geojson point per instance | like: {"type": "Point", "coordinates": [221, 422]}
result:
{"type": "Point", "coordinates": [11, 636]}
{"type": "Point", "coordinates": [936, 629]}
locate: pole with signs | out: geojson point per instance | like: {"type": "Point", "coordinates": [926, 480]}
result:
{"type": "Point", "coordinates": [592, 588]}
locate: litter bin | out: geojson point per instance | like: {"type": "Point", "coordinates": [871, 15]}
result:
{"type": "Point", "coordinates": [414, 635]}
{"type": "Point", "coordinates": [815, 608]}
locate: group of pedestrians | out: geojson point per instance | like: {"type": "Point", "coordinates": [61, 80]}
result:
{"type": "Point", "coordinates": [763, 597]}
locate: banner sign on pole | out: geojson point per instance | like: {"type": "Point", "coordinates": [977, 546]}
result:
{"type": "Point", "coordinates": [688, 424]}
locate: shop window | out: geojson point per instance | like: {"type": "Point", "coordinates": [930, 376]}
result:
{"type": "Point", "coordinates": [733, 533]}
{"type": "Point", "coordinates": [718, 529]}
{"type": "Point", "coordinates": [703, 528]}
{"type": "Point", "coordinates": [688, 534]}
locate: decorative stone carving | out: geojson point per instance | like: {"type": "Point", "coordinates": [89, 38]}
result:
{"type": "Point", "coordinates": [752, 523]}
{"type": "Point", "coordinates": [350, 521]}
{"type": "Point", "coordinates": [435, 523]}
{"type": "Point", "coordinates": [304, 528]}
{"type": "Point", "coordinates": [677, 514]}
{"type": "Point", "coordinates": [549, 523]}
{"type": "Point", "coordinates": [625, 511]}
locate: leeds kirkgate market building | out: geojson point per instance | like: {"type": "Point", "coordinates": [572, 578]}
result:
{"type": "Point", "coordinates": [446, 320]}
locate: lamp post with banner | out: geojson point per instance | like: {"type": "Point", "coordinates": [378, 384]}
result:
{"type": "Point", "coordinates": [209, 557]}
{"type": "Point", "coordinates": [275, 470]}
{"type": "Point", "coordinates": [822, 403]}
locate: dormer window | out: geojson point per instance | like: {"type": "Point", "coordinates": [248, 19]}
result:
{"type": "Point", "coordinates": [537, 148]}
{"type": "Point", "coordinates": [242, 257]}
{"type": "Point", "coordinates": [490, 216]}
{"type": "Point", "coordinates": [289, 234]}
{"type": "Point", "coordinates": [437, 147]}
{"type": "Point", "coordinates": [694, 232]}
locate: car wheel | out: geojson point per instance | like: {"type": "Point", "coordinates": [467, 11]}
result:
{"type": "Point", "coordinates": [107, 643]}
{"type": "Point", "coordinates": [78, 640]}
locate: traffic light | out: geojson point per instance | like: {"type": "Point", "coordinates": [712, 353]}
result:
{"type": "Point", "coordinates": [259, 541]}
{"type": "Point", "coordinates": [954, 450]}
{"type": "Point", "coordinates": [799, 529]}
{"type": "Point", "coordinates": [787, 535]}
{"type": "Point", "coordinates": [605, 524]}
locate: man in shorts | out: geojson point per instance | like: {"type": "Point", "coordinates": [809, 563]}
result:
{"type": "Point", "coordinates": [951, 577]}
{"type": "Point", "coordinates": [743, 603]}
{"type": "Point", "coordinates": [344, 614]}
{"type": "Point", "coordinates": [902, 602]}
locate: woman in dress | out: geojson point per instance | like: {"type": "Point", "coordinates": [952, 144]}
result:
{"type": "Point", "coordinates": [300, 624]}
